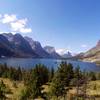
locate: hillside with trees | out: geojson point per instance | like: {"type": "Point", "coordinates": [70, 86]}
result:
{"type": "Point", "coordinates": [48, 84]}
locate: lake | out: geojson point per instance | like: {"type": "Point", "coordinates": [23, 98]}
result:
{"type": "Point", "coordinates": [28, 63]}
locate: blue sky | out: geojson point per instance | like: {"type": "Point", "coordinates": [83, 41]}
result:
{"type": "Point", "coordinates": [64, 24]}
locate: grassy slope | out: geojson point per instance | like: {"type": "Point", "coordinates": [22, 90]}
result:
{"type": "Point", "coordinates": [93, 88]}
{"type": "Point", "coordinates": [15, 88]}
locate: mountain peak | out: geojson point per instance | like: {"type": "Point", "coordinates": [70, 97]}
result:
{"type": "Point", "coordinates": [18, 35]}
{"type": "Point", "coordinates": [49, 49]}
{"type": "Point", "coordinates": [9, 36]}
{"type": "Point", "coordinates": [98, 44]}
{"type": "Point", "coordinates": [64, 53]}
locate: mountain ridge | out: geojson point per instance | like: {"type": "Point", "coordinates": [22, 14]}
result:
{"type": "Point", "coordinates": [92, 55]}
{"type": "Point", "coordinates": [23, 46]}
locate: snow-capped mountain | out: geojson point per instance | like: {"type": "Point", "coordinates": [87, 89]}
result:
{"type": "Point", "coordinates": [64, 53]}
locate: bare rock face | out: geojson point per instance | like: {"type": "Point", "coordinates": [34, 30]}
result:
{"type": "Point", "coordinates": [98, 44]}
{"type": "Point", "coordinates": [18, 45]}
{"type": "Point", "coordinates": [66, 55]}
{"type": "Point", "coordinates": [15, 45]}
{"type": "Point", "coordinates": [5, 47]}
{"type": "Point", "coordinates": [51, 50]}
{"type": "Point", "coordinates": [22, 46]}
{"type": "Point", "coordinates": [36, 46]}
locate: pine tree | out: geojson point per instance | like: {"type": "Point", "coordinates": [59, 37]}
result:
{"type": "Point", "coordinates": [51, 74]}
{"type": "Point", "coordinates": [61, 79]}
{"type": "Point", "coordinates": [92, 76]}
{"type": "Point", "coordinates": [57, 88]}
{"type": "Point", "coordinates": [38, 76]}
{"type": "Point", "coordinates": [2, 91]}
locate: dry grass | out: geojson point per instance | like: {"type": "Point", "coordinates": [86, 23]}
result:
{"type": "Point", "coordinates": [94, 88]}
{"type": "Point", "coordinates": [46, 88]}
{"type": "Point", "coordinates": [14, 86]}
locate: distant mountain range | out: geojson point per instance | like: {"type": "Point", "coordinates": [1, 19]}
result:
{"type": "Point", "coordinates": [15, 45]}
{"type": "Point", "coordinates": [67, 54]}
{"type": "Point", "coordinates": [18, 46]}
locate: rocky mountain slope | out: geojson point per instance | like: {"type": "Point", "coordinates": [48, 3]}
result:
{"type": "Point", "coordinates": [5, 47]}
{"type": "Point", "coordinates": [15, 45]}
{"type": "Point", "coordinates": [19, 45]}
{"type": "Point", "coordinates": [36, 46]}
{"type": "Point", "coordinates": [51, 50]}
{"type": "Point", "coordinates": [92, 55]}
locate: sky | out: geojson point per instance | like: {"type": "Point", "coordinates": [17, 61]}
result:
{"type": "Point", "coordinates": [72, 25]}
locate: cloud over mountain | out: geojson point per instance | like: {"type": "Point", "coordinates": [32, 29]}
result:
{"type": "Point", "coordinates": [8, 18]}
{"type": "Point", "coordinates": [15, 24]}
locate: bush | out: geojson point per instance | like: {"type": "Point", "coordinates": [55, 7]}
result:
{"type": "Point", "coordinates": [24, 95]}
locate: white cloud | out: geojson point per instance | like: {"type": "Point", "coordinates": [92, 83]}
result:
{"type": "Point", "coordinates": [84, 46]}
{"type": "Point", "coordinates": [25, 30]}
{"type": "Point", "coordinates": [16, 25]}
{"type": "Point", "coordinates": [8, 18]}
{"type": "Point", "coordinates": [19, 24]}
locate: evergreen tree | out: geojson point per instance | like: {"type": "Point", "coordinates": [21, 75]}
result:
{"type": "Point", "coordinates": [19, 74]}
{"type": "Point", "coordinates": [2, 90]}
{"type": "Point", "coordinates": [38, 76]}
{"type": "Point", "coordinates": [65, 72]}
{"type": "Point", "coordinates": [57, 88]}
{"type": "Point", "coordinates": [92, 76]}
{"type": "Point", "coordinates": [77, 73]}
{"type": "Point", "coordinates": [34, 88]}
{"type": "Point", "coordinates": [51, 74]}
{"type": "Point", "coordinates": [61, 79]}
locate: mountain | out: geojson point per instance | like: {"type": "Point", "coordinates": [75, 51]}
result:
{"type": "Point", "coordinates": [36, 46]}
{"type": "Point", "coordinates": [15, 45]}
{"type": "Point", "coordinates": [20, 46]}
{"type": "Point", "coordinates": [51, 50]}
{"type": "Point", "coordinates": [66, 55]}
{"type": "Point", "coordinates": [92, 55]}
{"type": "Point", "coordinates": [9, 36]}
{"type": "Point", "coordinates": [5, 47]}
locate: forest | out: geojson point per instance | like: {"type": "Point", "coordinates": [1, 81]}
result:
{"type": "Point", "coordinates": [43, 83]}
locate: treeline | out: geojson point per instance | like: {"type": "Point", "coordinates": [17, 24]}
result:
{"type": "Point", "coordinates": [59, 81]}
{"type": "Point", "coordinates": [33, 79]}
{"type": "Point", "coordinates": [11, 72]}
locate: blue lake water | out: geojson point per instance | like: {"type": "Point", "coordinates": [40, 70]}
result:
{"type": "Point", "coordinates": [28, 63]}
